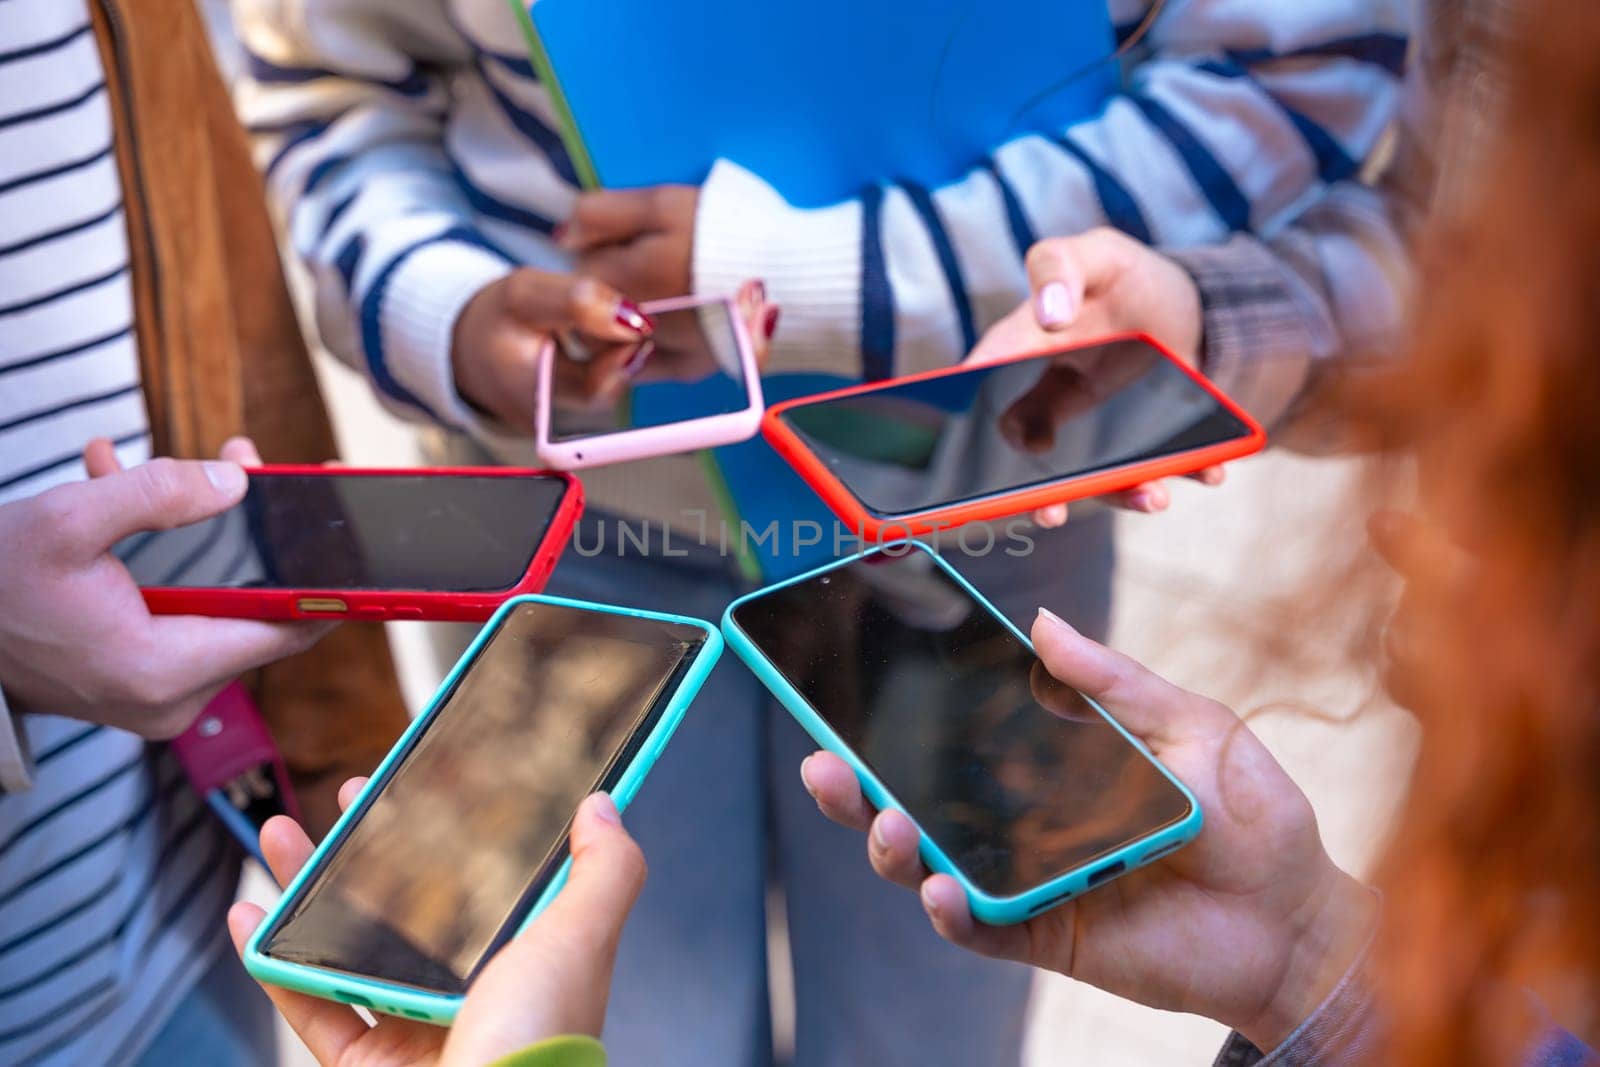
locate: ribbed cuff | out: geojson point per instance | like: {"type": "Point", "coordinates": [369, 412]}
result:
{"type": "Point", "coordinates": [425, 296]}
{"type": "Point", "coordinates": [1257, 346]}
{"type": "Point", "coordinates": [1344, 1029]}
{"type": "Point", "coordinates": [16, 764]}
{"type": "Point", "coordinates": [810, 261]}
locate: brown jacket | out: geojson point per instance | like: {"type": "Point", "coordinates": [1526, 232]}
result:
{"type": "Point", "coordinates": [221, 351]}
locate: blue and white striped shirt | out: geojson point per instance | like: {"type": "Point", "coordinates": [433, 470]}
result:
{"type": "Point", "coordinates": [114, 879]}
{"type": "Point", "coordinates": [415, 154]}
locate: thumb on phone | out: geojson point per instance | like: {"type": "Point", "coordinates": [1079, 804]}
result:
{"type": "Point", "coordinates": [608, 871]}
{"type": "Point", "coordinates": [561, 963]}
{"type": "Point", "coordinates": [1152, 708]}
{"type": "Point", "coordinates": [158, 495]}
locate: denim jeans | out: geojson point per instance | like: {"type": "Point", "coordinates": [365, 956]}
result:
{"type": "Point", "coordinates": [723, 816]}
{"type": "Point", "coordinates": [225, 1021]}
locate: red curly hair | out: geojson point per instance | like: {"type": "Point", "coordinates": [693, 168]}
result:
{"type": "Point", "coordinates": [1493, 880]}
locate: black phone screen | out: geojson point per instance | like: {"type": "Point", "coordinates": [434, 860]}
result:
{"type": "Point", "coordinates": [453, 846]}
{"type": "Point", "coordinates": [907, 448]}
{"type": "Point", "coordinates": [430, 533]}
{"type": "Point", "coordinates": [689, 369]}
{"type": "Point", "coordinates": [1016, 777]}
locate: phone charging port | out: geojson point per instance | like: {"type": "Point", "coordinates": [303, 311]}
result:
{"type": "Point", "coordinates": [1106, 873]}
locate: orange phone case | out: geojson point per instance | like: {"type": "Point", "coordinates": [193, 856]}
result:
{"type": "Point", "coordinates": [879, 528]}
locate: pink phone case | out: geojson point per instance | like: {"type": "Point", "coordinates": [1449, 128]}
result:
{"type": "Point", "coordinates": [711, 431]}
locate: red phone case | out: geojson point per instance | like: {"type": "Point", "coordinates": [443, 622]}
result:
{"type": "Point", "coordinates": [849, 509]}
{"type": "Point", "coordinates": [382, 604]}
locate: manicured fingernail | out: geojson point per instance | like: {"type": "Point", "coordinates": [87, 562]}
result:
{"type": "Point", "coordinates": [805, 773]}
{"type": "Point", "coordinates": [224, 477]}
{"type": "Point", "coordinates": [630, 317]}
{"type": "Point", "coordinates": [1055, 305]}
{"type": "Point", "coordinates": [880, 838]}
{"type": "Point", "coordinates": [1056, 620]}
{"type": "Point", "coordinates": [771, 325]}
{"type": "Point", "coordinates": [605, 809]}
{"type": "Point", "coordinates": [929, 905]}
{"type": "Point", "coordinates": [640, 357]}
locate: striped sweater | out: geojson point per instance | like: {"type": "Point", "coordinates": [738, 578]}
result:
{"type": "Point", "coordinates": [415, 156]}
{"type": "Point", "coordinates": [113, 878]}
{"type": "Point", "coordinates": [1334, 284]}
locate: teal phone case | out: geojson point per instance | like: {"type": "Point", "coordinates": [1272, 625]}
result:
{"type": "Point", "coordinates": [436, 1008]}
{"type": "Point", "coordinates": [996, 911]}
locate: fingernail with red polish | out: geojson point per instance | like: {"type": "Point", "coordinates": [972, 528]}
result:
{"type": "Point", "coordinates": [771, 325]}
{"type": "Point", "coordinates": [630, 317]}
{"type": "Point", "coordinates": [1054, 305]}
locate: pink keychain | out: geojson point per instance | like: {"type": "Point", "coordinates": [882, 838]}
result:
{"type": "Point", "coordinates": [230, 759]}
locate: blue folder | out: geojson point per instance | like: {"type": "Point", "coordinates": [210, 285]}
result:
{"type": "Point", "coordinates": [821, 98]}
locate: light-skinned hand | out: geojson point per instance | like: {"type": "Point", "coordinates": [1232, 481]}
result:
{"type": "Point", "coordinates": [76, 638]}
{"type": "Point", "coordinates": [1251, 925]}
{"type": "Point", "coordinates": [1095, 285]}
{"type": "Point", "coordinates": [554, 978]}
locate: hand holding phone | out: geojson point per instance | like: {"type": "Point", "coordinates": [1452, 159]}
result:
{"type": "Point", "coordinates": [552, 979]}
{"type": "Point", "coordinates": [460, 839]}
{"type": "Point", "coordinates": [1250, 925]}
{"type": "Point", "coordinates": [1102, 283]}
{"type": "Point", "coordinates": [694, 383]}
{"type": "Point", "coordinates": [76, 637]}
{"type": "Point", "coordinates": [1024, 791]}
{"type": "Point", "coordinates": [334, 542]}
{"type": "Point", "coordinates": [983, 441]}
{"type": "Point", "coordinates": [498, 335]}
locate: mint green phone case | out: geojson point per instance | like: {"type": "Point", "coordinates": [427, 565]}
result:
{"type": "Point", "coordinates": [996, 911]}
{"type": "Point", "coordinates": [411, 1003]}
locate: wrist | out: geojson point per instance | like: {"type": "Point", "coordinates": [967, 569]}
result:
{"type": "Point", "coordinates": [466, 373]}
{"type": "Point", "coordinates": [1188, 315]}
{"type": "Point", "coordinates": [1326, 940]}
{"type": "Point", "coordinates": [1255, 338]}
{"type": "Point", "coordinates": [421, 313]}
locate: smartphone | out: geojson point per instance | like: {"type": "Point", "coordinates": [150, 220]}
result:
{"type": "Point", "coordinates": [693, 384]}
{"type": "Point", "coordinates": [335, 542]}
{"type": "Point", "coordinates": [460, 837]}
{"type": "Point", "coordinates": [1024, 790]}
{"type": "Point", "coordinates": [982, 442]}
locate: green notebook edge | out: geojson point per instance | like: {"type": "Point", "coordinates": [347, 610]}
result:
{"type": "Point", "coordinates": [583, 165]}
{"type": "Point", "coordinates": [571, 136]}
